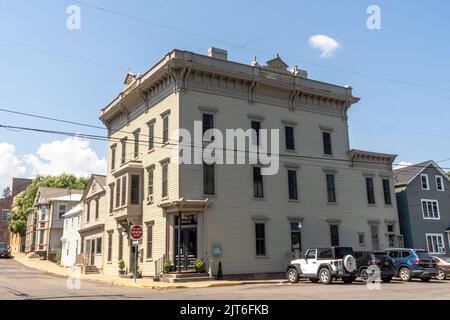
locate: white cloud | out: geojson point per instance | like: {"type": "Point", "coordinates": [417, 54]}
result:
{"type": "Point", "coordinates": [10, 165]}
{"type": "Point", "coordinates": [402, 164]}
{"type": "Point", "coordinates": [73, 156]}
{"type": "Point", "coordinates": [325, 44]}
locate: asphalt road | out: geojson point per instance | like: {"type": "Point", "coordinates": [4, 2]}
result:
{"type": "Point", "coordinates": [20, 282]}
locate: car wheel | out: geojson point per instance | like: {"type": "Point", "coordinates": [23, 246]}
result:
{"type": "Point", "coordinates": [347, 280]}
{"type": "Point", "coordinates": [425, 279]}
{"type": "Point", "coordinates": [314, 280]}
{"type": "Point", "coordinates": [386, 279]}
{"type": "Point", "coordinates": [364, 275]}
{"type": "Point", "coordinates": [325, 276]}
{"type": "Point", "coordinates": [405, 274]}
{"type": "Point", "coordinates": [441, 275]}
{"type": "Point", "coordinates": [292, 275]}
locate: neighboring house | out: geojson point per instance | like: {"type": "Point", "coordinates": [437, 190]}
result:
{"type": "Point", "coordinates": [46, 221]}
{"type": "Point", "coordinates": [423, 197]}
{"type": "Point", "coordinates": [324, 193]}
{"type": "Point", "coordinates": [18, 185]}
{"type": "Point", "coordinates": [71, 239]}
{"type": "Point", "coordinates": [92, 229]}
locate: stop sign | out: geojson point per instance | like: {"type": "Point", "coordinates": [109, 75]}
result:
{"type": "Point", "coordinates": [136, 232]}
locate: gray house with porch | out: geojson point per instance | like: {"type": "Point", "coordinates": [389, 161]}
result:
{"type": "Point", "coordinates": [423, 199]}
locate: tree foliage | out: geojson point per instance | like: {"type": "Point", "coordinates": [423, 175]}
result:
{"type": "Point", "coordinates": [6, 193]}
{"type": "Point", "coordinates": [24, 201]}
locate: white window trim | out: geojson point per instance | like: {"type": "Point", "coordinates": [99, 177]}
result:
{"type": "Point", "coordinates": [423, 212]}
{"type": "Point", "coordinates": [442, 183]}
{"type": "Point", "coordinates": [428, 182]}
{"type": "Point", "coordinates": [436, 235]}
{"type": "Point", "coordinates": [438, 211]}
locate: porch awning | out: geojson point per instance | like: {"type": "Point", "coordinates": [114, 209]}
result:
{"type": "Point", "coordinates": [99, 227]}
{"type": "Point", "coordinates": [185, 206]}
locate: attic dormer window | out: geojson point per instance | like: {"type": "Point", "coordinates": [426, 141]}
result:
{"type": "Point", "coordinates": [425, 182]}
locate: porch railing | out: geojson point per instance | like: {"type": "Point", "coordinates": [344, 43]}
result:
{"type": "Point", "coordinates": [159, 267]}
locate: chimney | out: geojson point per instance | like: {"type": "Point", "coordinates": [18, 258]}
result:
{"type": "Point", "coordinates": [218, 53]}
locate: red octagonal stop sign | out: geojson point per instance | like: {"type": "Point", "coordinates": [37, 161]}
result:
{"type": "Point", "coordinates": [136, 232]}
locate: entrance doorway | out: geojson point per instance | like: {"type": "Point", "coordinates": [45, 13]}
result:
{"type": "Point", "coordinates": [186, 253]}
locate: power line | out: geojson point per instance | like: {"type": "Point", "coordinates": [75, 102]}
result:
{"type": "Point", "coordinates": [163, 144]}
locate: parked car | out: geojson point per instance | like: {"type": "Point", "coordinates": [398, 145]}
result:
{"type": "Point", "coordinates": [413, 263]}
{"type": "Point", "coordinates": [324, 265]}
{"type": "Point", "coordinates": [443, 267]}
{"type": "Point", "coordinates": [5, 250]}
{"type": "Point", "coordinates": [366, 259]}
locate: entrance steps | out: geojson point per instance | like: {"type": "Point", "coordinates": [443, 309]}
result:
{"type": "Point", "coordinates": [91, 270]}
{"type": "Point", "coordinates": [185, 277]}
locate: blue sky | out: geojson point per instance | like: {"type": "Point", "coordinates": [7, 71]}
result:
{"type": "Point", "coordinates": [412, 46]}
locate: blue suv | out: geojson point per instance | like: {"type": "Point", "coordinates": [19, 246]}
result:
{"type": "Point", "coordinates": [413, 263]}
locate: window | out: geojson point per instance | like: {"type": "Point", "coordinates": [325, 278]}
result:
{"type": "Point", "coordinates": [151, 135]}
{"type": "Point", "coordinates": [391, 238]}
{"type": "Point", "coordinates": [113, 157]}
{"type": "Point", "coordinates": [149, 241]}
{"type": "Point", "coordinates": [334, 233]}
{"type": "Point", "coordinates": [256, 126]}
{"type": "Point", "coordinates": [150, 173]}
{"type": "Point", "coordinates": [43, 213]}
{"type": "Point", "coordinates": [435, 243]}
{"type": "Point", "coordinates": [289, 135]}
{"type": "Point", "coordinates": [395, 254]}
{"type": "Point", "coordinates": [327, 149]}
{"type": "Point", "coordinates": [391, 228]}
{"type": "Point", "coordinates": [5, 215]}
{"type": "Point", "coordinates": [375, 241]}
{"type": "Point", "coordinates": [331, 189]}
{"type": "Point", "coordinates": [439, 183]}
{"type": "Point", "coordinates": [165, 129]}
{"type": "Point", "coordinates": [311, 254]}
{"type": "Point", "coordinates": [124, 150]}
{"type": "Point", "coordinates": [118, 193]}
{"type": "Point", "coordinates": [323, 254]}
{"type": "Point", "coordinates": [430, 209]}
{"type": "Point", "coordinates": [165, 172]}
{"type": "Point", "coordinates": [424, 181]}
{"type": "Point", "coordinates": [120, 245]}
{"type": "Point", "coordinates": [370, 191]}
{"type": "Point", "coordinates": [296, 237]}
{"type": "Point", "coordinates": [136, 135]}
{"type": "Point", "coordinates": [88, 212]}
{"type": "Point", "coordinates": [99, 246]}
{"type": "Point", "coordinates": [135, 181]}
{"type": "Point", "coordinates": [362, 239]}
{"type": "Point", "coordinates": [111, 198]}
{"type": "Point", "coordinates": [208, 179]}
{"type": "Point", "coordinates": [258, 188]}
{"type": "Point", "coordinates": [110, 238]}
{"type": "Point", "coordinates": [61, 210]}
{"type": "Point", "coordinates": [124, 190]}
{"type": "Point", "coordinates": [97, 209]}
{"type": "Point", "coordinates": [292, 184]}
{"type": "Point", "coordinates": [387, 192]}
{"type": "Point", "coordinates": [260, 239]}
{"type": "Point", "coordinates": [41, 237]}
{"type": "Point", "coordinates": [208, 122]}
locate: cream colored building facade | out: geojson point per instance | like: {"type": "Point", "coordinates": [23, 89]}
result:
{"type": "Point", "coordinates": [324, 193]}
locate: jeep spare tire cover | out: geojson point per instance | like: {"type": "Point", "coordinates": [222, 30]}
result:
{"type": "Point", "coordinates": [349, 263]}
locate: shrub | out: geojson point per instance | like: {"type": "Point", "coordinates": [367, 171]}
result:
{"type": "Point", "coordinates": [199, 265]}
{"type": "Point", "coordinates": [121, 265]}
{"type": "Point", "coordinates": [167, 266]}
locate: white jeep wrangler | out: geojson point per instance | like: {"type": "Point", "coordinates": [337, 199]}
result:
{"type": "Point", "coordinates": [324, 265]}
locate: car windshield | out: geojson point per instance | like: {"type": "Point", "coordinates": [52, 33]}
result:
{"type": "Point", "coordinates": [3, 246]}
{"type": "Point", "coordinates": [446, 259]}
{"type": "Point", "coordinates": [423, 255]}
{"type": "Point", "coordinates": [342, 252]}
{"type": "Point", "coordinates": [380, 254]}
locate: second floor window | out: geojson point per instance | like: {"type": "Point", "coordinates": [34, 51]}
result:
{"type": "Point", "coordinates": [208, 122]}
{"type": "Point", "coordinates": [387, 192]}
{"type": "Point", "coordinates": [370, 191]}
{"type": "Point", "coordinates": [256, 126]}
{"type": "Point", "coordinates": [61, 211]}
{"type": "Point", "coordinates": [208, 179]}
{"type": "Point", "coordinates": [151, 135]}
{"type": "Point", "coordinates": [430, 209]}
{"type": "Point", "coordinates": [111, 197]}
{"type": "Point", "coordinates": [327, 148]}
{"type": "Point", "coordinates": [136, 143]}
{"type": "Point", "coordinates": [150, 173]}
{"type": "Point", "coordinates": [88, 212]}
{"type": "Point", "coordinates": [289, 135]}
{"type": "Point", "coordinates": [97, 209]}
{"type": "Point", "coordinates": [113, 157]}
{"type": "Point", "coordinates": [43, 213]}
{"type": "Point", "coordinates": [118, 185]}
{"type": "Point", "coordinates": [124, 150]}
{"type": "Point", "coordinates": [258, 187]}
{"type": "Point", "coordinates": [331, 189]}
{"type": "Point", "coordinates": [439, 183]}
{"type": "Point", "coordinates": [165, 173]}
{"type": "Point", "coordinates": [124, 190]}
{"type": "Point", "coordinates": [292, 183]}
{"type": "Point", "coordinates": [424, 181]}
{"type": "Point", "coordinates": [135, 182]}
{"type": "Point", "coordinates": [165, 129]}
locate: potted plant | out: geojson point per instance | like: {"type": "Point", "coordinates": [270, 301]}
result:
{"type": "Point", "coordinates": [167, 266]}
{"type": "Point", "coordinates": [199, 265]}
{"type": "Point", "coordinates": [121, 265]}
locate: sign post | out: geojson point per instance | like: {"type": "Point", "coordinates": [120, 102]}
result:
{"type": "Point", "coordinates": [136, 233]}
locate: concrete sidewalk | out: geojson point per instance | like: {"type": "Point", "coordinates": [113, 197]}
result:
{"type": "Point", "coordinates": [54, 269]}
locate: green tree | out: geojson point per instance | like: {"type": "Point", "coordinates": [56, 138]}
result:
{"type": "Point", "coordinates": [24, 202]}
{"type": "Point", "coordinates": [6, 192]}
